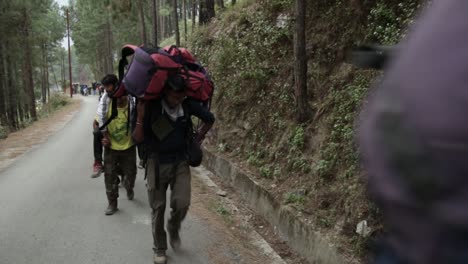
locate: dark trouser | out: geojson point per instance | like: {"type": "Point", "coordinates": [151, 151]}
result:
{"type": "Point", "coordinates": [97, 145]}
{"type": "Point", "coordinates": [177, 177]}
{"type": "Point", "coordinates": [142, 153]}
{"type": "Point", "coordinates": [126, 161]}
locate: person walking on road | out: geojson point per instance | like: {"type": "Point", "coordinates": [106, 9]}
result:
{"type": "Point", "coordinates": [119, 149]}
{"type": "Point", "coordinates": [162, 125]}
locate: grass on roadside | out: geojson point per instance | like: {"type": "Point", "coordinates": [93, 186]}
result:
{"type": "Point", "coordinates": [56, 102]}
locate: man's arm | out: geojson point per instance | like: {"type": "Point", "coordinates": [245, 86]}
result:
{"type": "Point", "coordinates": [205, 115]}
{"type": "Point", "coordinates": [102, 110]}
{"type": "Point", "coordinates": [138, 133]}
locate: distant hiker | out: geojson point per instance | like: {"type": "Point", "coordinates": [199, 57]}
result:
{"type": "Point", "coordinates": [119, 149]}
{"type": "Point", "coordinates": [166, 128]}
{"type": "Point", "coordinates": [414, 141]}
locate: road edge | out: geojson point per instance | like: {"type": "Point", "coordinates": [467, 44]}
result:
{"type": "Point", "coordinates": [299, 235]}
{"type": "Point", "coordinates": [255, 238]}
{"type": "Point", "coordinates": [6, 163]}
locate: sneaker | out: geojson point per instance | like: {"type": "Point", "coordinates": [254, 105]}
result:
{"type": "Point", "coordinates": [97, 169]}
{"type": "Point", "coordinates": [160, 257]}
{"type": "Point", "coordinates": [112, 208]}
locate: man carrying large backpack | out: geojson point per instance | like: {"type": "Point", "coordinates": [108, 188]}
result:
{"type": "Point", "coordinates": [166, 128]}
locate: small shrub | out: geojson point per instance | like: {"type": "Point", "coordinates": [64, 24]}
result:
{"type": "Point", "coordinates": [254, 158]}
{"type": "Point", "coordinates": [58, 101]}
{"type": "Point", "coordinates": [298, 138]}
{"type": "Point", "coordinates": [266, 172]}
{"type": "Point", "coordinates": [295, 198]}
{"type": "Point", "coordinates": [222, 210]}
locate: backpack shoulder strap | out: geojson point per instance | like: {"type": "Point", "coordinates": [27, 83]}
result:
{"type": "Point", "coordinates": [114, 113]}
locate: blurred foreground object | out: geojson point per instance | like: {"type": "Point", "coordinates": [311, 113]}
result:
{"type": "Point", "coordinates": [414, 142]}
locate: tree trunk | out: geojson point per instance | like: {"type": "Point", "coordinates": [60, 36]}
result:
{"type": "Point", "coordinates": [300, 65]}
{"type": "Point", "coordinates": [110, 58]}
{"type": "Point", "coordinates": [194, 14]}
{"type": "Point", "coordinates": [202, 16]}
{"type": "Point", "coordinates": [233, 2]}
{"type": "Point", "coordinates": [184, 14]}
{"type": "Point", "coordinates": [12, 95]}
{"type": "Point", "coordinates": [55, 78]}
{"type": "Point", "coordinates": [220, 4]}
{"type": "Point", "coordinates": [207, 11]}
{"type": "Point", "coordinates": [210, 7]}
{"type": "Point", "coordinates": [43, 76]}
{"type": "Point", "coordinates": [47, 75]}
{"type": "Point", "coordinates": [155, 22]}
{"type": "Point", "coordinates": [189, 6]}
{"type": "Point", "coordinates": [21, 90]}
{"type": "Point", "coordinates": [176, 22]}
{"type": "Point", "coordinates": [162, 26]}
{"type": "Point", "coordinates": [3, 87]}
{"type": "Point", "coordinates": [64, 85]}
{"type": "Point", "coordinates": [170, 25]}
{"type": "Point", "coordinates": [28, 66]}
{"type": "Point", "coordinates": [141, 14]}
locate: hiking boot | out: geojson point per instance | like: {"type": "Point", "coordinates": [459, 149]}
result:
{"type": "Point", "coordinates": [130, 194]}
{"type": "Point", "coordinates": [112, 208]}
{"type": "Point", "coordinates": [97, 169]}
{"type": "Point", "coordinates": [174, 238]}
{"type": "Point", "coordinates": [160, 257]}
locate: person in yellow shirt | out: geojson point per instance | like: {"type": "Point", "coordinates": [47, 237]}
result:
{"type": "Point", "coordinates": [119, 149]}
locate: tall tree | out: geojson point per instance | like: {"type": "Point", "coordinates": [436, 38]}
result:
{"type": "Point", "coordinates": [220, 3]}
{"type": "Point", "coordinates": [12, 95]}
{"type": "Point", "coordinates": [210, 7]}
{"type": "Point", "coordinates": [176, 22]}
{"type": "Point", "coordinates": [28, 67]}
{"type": "Point", "coordinates": [141, 14]}
{"type": "Point", "coordinates": [109, 57]}
{"type": "Point", "coordinates": [207, 11]}
{"type": "Point", "coordinates": [155, 22]}
{"type": "Point", "coordinates": [184, 14]}
{"type": "Point", "coordinates": [3, 87]}
{"type": "Point", "coordinates": [233, 2]}
{"type": "Point", "coordinates": [300, 65]}
{"type": "Point", "coordinates": [194, 13]}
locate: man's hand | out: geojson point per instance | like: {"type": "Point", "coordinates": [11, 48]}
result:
{"type": "Point", "coordinates": [95, 125]}
{"type": "Point", "coordinates": [199, 137]}
{"type": "Point", "coordinates": [106, 141]}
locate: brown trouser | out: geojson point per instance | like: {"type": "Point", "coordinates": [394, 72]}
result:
{"type": "Point", "coordinates": [126, 161]}
{"type": "Point", "coordinates": [177, 177]}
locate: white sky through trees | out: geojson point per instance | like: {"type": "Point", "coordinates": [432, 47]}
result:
{"type": "Point", "coordinates": [64, 40]}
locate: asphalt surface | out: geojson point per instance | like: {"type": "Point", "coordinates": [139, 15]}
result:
{"type": "Point", "coordinates": [51, 211]}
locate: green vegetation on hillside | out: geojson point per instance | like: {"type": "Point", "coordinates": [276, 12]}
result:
{"type": "Point", "coordinates": [313, 166]}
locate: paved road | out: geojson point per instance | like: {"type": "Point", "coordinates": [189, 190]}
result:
{"type": "Point", "coordinates": [51, 211]}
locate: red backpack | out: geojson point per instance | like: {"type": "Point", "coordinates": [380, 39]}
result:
{"type": "Point", "coordinates": [147, 73]}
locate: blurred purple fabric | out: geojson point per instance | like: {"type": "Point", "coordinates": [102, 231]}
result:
{"type": "Point", "coordinates": [414, 138]}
